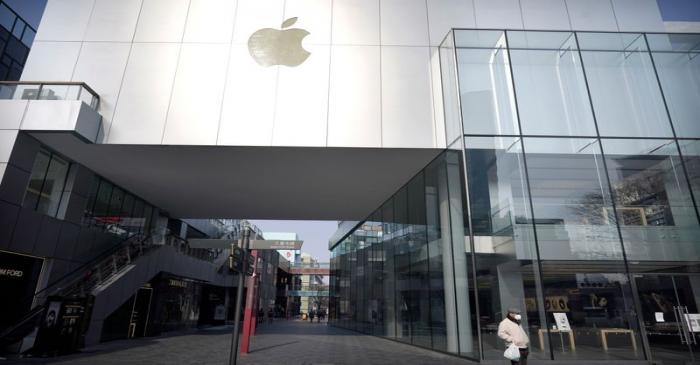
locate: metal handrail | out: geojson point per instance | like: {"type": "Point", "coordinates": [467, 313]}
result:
{"type": "Point", "coordinates": [42, 84]}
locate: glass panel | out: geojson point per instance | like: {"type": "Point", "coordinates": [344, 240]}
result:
{"type": "Point", "coordinates": [596, 300]}
{"type": "Point", "coordinates": [104, 192]}
{"type": "Point", "coordinates": [448, 71]}
{"type": "Point", "coordinates": [691, 157]}
{"type": "Point", "coordinates": [656, 214]}
{"type": "Point", "coordinates": [419, 306]}
{"type": "Point", "coordinates": [52, 189]}
{"type": "Point", "coordinates": [115, 204]}
{"type": "Point", "coordinates": [678, 66]}
{"type": "Point", "coordinates": [389, 273]}
{"type": "Point", "coordinates": [36, 180]}
{"type": "Point", "coordinates": [571, 199]}
{"type": "Point", "coordinates": [504, 245]}
{"type": "Point", "coordinates": [626, 97]}
{"type": "Point", "coordinates": [438, 241]}
{"type": "Point", "coordinates": [485, 84]}
{"type": "Point", "coordinates": [402, 266]}
{"type": "Point", "coordinates": [549, 83]}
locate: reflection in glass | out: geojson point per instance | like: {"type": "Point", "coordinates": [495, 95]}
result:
{"type": "Point", "coordinates": [691, 157]}
{"type": "Point", "coordinates": [485, 83]}
{"type": "Point", "coordinates": [625, 92]}
{"type": "Point", "coordinates": [549, 83]}
{"type": "Point", "coordinates": [655, 212]}
{"type": "Point", "coordinates": [574, 215]}
{"type": "Point", "coordinates": [597, 303]}
{"type": "Point", "coordinates": [504, 243]}
{"type": "Point", "coordinates": [678, 66]}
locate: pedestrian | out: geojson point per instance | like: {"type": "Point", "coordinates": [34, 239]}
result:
{"type": "Point", "coordinates": [321, 315]}
{"type": "Point", "coordinates": [270, 314]}
{"type": "Point", "coordinates": [261, 314]}
{"type": "Point", "coordinates": [511, 331]}
{"type": "Point", "coordinates": [312, 314]}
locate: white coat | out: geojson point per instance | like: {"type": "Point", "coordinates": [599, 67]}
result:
{"type": "Point", "coordinates": [513, 333]}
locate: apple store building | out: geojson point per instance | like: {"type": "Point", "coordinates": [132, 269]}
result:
{"type": "Point", "coordinates": [479, 154]}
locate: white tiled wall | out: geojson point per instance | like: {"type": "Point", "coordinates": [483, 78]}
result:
{"type": "Point", "coordinates": [179, 71]}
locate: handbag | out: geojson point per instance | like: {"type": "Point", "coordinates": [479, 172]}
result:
{"type": "Point", "coordinates": [512, 353]}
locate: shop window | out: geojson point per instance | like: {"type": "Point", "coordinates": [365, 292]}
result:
{"type": "Point", "coordinates": [46, 183]}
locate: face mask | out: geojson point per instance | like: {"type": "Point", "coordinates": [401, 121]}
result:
{"type": "Point", "coordinates": [517, 317]}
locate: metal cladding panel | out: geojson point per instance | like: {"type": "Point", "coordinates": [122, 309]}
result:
{"type": "Point", "coordinates": [210, 21]}
{"type": "Point", "coordinates": [406, 76]}
{"type": "Point", "coordinates": [404, 22]}
{"type": "Point", "coordinates": [498, 14]}
{"type": "Point", "coordinates": [101, 65]}
{"type": "Point", "coordinates": [591, 15]}
{"type": "Point", "coordinates": [161, 21]}
{"type": "Point", "coordinates": [545, 14]}
{"type": "Point", "coordinates": [65, 20]}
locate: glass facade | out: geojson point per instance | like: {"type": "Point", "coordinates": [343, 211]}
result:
{"type": "Point", "coordinates": [575, 162]}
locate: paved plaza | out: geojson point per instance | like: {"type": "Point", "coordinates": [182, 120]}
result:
{"type": "Point", "coordinates": [283, 342]}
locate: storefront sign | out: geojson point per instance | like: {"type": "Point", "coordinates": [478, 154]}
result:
{"type": "Point", "coordinates": [177, 283]}
{"type": "Point", "coordinates": [693, 320]}
{"type": "Point", "coordinates": [275, 244]}
{"type": "Point", "coordinates": [11, 273]}
{"type": "Point", "coordinates": [556, 303]}
{"type": "Point", "coordinates": [19, 275]}
{"type": "Point", "coordinates": [562, 322]}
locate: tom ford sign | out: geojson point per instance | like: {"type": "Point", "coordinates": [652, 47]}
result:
{"type": "Point", "coordinates": [11, 272]}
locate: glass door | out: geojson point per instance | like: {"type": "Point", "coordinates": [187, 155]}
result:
{"type": "Point", "coordinates": [670, 317]}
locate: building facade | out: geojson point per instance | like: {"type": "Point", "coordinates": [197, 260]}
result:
{"type": "Point", "coordinates": [578, 153]}
{"type": "Point", "coordinates": [532, 153]}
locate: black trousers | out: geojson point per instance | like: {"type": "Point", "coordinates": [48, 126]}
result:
{"type": "Point", "coordinates": [523, 357]}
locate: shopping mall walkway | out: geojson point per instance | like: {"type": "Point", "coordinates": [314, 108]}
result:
{"type": "Point", "coordinates": [283, 342]}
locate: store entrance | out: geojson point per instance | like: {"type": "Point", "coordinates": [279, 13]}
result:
{"type": "Point", "coordinates": [670, 317]}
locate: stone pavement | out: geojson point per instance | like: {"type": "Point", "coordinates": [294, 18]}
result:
{"type": "Point", "coordinates": [283, 342]}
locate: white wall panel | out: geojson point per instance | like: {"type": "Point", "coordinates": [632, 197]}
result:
{"type": "Point", "coordinates": [446, 14]}
{"type": "Point", "coordinates": [356, 22]}
{"type": "Point", "coordinates": [101, 65]}
{"type": "Point", "coordinates": [193, 117]}
{"type": "Point", "coordinates": [314, 16]}
{"type": "Point", "coordinates": [11, 113]}
{"type": "Point", "coordinates": [498, 14]}
{"type": "Point", "coordinates": [591, 15]}
{"type": "Point", "coordinates": [145, 94]}
{"type": "Point", "coordinates": [255, 14]}
{"type": "Point", "coordinates": [354, 115]}
{"type": "Point", "coordinates": [249, 101]}
{"type": "Point", "coordinates": [638, 16]}
{"type": "Point", "coordinates": [301, 117]}
{"type": "Point", "coordinates": [210, 21]}
{"type": "Point", "coordinates": [407, 114]}
{"type": "Point", "coordinates": [438, 108]}
{"type": "Point", "coordinates": [51, 61]}
{"type": "Point", "coordinates": [7, 142]}
{"type": "Point", "coordinates": [404, 22]}
{"type": "Point", "coordinates": [161, 21]}
{"type": "Point", "coordinates": [64, 20]}
{"type": "Point", "coordinates": [545, 14]}
{"type": "Point", "coordinates": [113, 21]}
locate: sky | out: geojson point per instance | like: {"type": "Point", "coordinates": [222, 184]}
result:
{"type": "Point", "coordinates": [315, 234]}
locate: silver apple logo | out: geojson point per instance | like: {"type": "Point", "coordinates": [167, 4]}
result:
{"type": "Point", "coordinates": [270, 47]}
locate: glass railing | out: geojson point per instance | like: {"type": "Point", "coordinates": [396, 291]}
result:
{"type": "Point", "coordinates": [39, 90]}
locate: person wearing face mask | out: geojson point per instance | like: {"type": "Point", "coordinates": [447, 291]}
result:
{"type": "Point", "coordinates": [511, 331]}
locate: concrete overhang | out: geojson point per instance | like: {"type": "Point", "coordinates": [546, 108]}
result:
{"type": "Point", "coordinates": [304, 183]}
